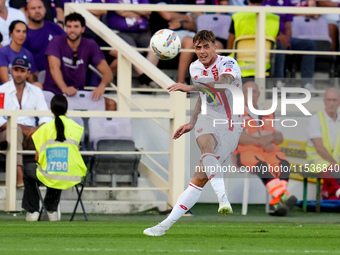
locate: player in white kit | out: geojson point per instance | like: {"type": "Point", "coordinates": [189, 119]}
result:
{"type": "Point", "coordinates": [216, 142]}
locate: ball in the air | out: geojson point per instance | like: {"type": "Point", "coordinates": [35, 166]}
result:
{"type": "Point", "coordinates": [165, 44]}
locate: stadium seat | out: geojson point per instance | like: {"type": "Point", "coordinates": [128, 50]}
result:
{"type": "Point", "coordinates": [303, 28]}
{"type": "Point", "coordinates": [48, 97]}
{"type": "Point", "coordinates": [217, 23]}
{"type": "Point", "coordinates": [248, 42]}
{"type": "Point", "coordinates": [113, 135]}
{"type": "Point", "coordinates": [82, 101]}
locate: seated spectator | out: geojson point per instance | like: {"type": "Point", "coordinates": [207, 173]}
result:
{"type": "Point", "coordinates": [53, 8]}
{"type": "Point", "coordinates": [285, 41]}
{"type": "Point", "coordinates": [7, 16]}
{"type": "Point", "coordinates": [68, 58]}
{"type": "Point", "coordinates": [244, 23]}
{"type": "Point", "coordinates": [333, 21]}
{"type": "Point", "coordinates": [258, 149]}
{"type": "Point", "coordinates": [323, 147]}
{"type": "Point", "coordinates": [185, 27]}
{"type": "Point", "coordinates": [17, 31]}
{"type": "Point", "coordinates": [132, 27]}
{"type": "Point", "coordinates": [22, 95]}
{"type": "Point", "coordinates": [57, 130]}
{"type": "Point", "coordinates": [39, 33]}
{"type": "Point", "coordinates": [91, 76]}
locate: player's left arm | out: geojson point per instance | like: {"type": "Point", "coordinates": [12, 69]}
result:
{"type": "Point", "coordinates": [223, 79]}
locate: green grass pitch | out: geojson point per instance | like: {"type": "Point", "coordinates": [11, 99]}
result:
{"type": "Point", "coordinates": [205, 233]}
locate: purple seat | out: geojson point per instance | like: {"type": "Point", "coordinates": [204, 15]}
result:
{"type": "Point", "coordinates": [108, 129]}
{"type": "Point", "coordinates": [82, 100]}
{"type": "Point", "coordinates": [313, 29]}
{"type": "Point", "coordinates": [48, 97]}
{"type": "Point", "coordinates": [217, 23]}
{"type": "Point", "coordinates": [318, 31]}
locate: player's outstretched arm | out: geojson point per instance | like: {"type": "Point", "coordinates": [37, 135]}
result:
{"type": "Point", "coordinates": [187, 127]}
{"type": "Point", "coordinates": [182, 130]}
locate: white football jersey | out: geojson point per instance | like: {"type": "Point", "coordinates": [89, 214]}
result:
{"type": "Point", "coordinates": [221, 105]}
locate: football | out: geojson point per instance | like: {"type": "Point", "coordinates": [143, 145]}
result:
{"type": "Point", "coordinates": [165, 44]}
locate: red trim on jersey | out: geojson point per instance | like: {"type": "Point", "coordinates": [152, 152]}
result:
{"type": "Point", "coordinates": [212, 176]}
{"type": "Point", "coordinates": [227, 109]}
{"type": "Point", "coordinates": [195, 187]}
{"type": "Point", "coordinates": [229, 74]}
{"type": "Point", "coordinates": [214, 71]}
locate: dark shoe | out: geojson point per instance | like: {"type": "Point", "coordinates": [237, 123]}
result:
{"type": "Point", "coordinates": [289, 201]}
{"type": "Point", "coordinates": [279, 209]}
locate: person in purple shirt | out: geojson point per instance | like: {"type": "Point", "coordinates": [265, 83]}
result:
{"type": "Point", "coordinates": [17, 31]}
{"type": "Point", "coordinates": [132, 27]}
{"type": "Point", "coordinates": [285, 41]}
{"type": "Point", "coordinates": [39, 32]}
{"type": "Point", "coordinates": [68, 57]}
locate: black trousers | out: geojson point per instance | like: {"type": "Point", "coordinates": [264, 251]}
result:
{"type": "Point", "coordinates": [30, 200]}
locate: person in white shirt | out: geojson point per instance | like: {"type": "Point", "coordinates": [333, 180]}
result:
{"type": "Point", "coordinates": [323, 148]}
{"type": "Point", "coordinates": [216, 143]}
{"type": "Point", "coordinates": [22, 95]}
{"type": "Point", "coordinates": [7, 16]}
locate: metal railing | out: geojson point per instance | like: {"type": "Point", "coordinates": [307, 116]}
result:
{"type": "Point", "coordinates": [173, 106]}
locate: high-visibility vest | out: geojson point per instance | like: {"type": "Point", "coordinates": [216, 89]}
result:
{"type": "Point", "coordinates": [313, 157]}
{"type": "Point", "coordinates": [245, 24]}
{"type": "Point", "coordinates": [257, 128]}
{"type": "Point", "coordinates": [60, 164]}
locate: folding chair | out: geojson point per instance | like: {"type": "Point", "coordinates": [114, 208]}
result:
{"type": "Point", "coordinates": [79, 193]}
{"type": "Point", "coordinates": [296, 153]}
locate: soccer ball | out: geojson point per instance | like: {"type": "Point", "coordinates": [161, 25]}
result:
{"type": "Point", "coordinates": [165, 44]}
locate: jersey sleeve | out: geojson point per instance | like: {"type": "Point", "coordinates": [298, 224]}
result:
{"type": "Point", "coordinates": [229, 66]}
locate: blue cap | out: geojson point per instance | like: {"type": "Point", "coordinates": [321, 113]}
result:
{"type": "Point", "coordinates": [21, 62]}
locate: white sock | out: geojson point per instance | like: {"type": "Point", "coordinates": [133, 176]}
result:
{"type": "Point", "coordinates": [185, 201]}
{"type": "Point", "coordinates": [216, 177]}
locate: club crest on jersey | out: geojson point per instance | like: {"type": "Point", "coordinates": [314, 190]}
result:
{"type": "Point", "coordinates": [205, 73]}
